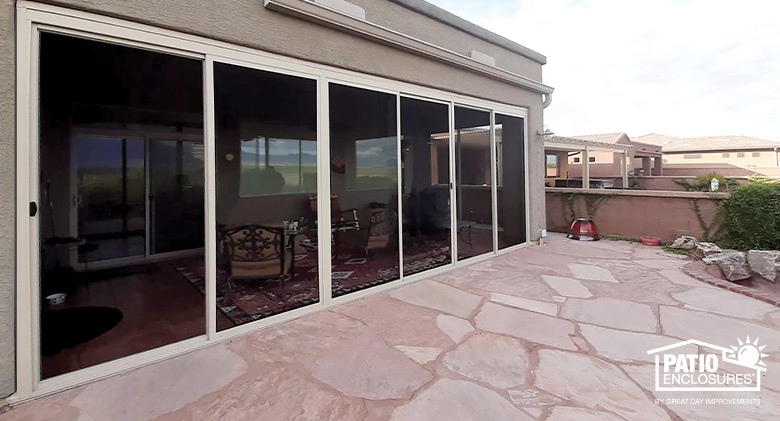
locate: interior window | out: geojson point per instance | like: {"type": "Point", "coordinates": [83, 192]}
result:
{"type": "Point", "coordinates": [277, 166]}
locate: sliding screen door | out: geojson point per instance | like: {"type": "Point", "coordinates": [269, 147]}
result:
{"type": "Point", "coordinates": [473, 182]}
{"type": "Point", "coordinates": [425, 164]}
{"type": "Point", "coordinates": [510, 176]}
{"type": "Point", "coordinates": [364, 188]}
{"type": "Point", "coordinates": [102, 297]}
{"type": "Point", "coordinates": [266, 135]}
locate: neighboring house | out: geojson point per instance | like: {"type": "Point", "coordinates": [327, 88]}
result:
{"type": "Point", "coordinates": [729, 155]}
{"type": "Point", "coordinates": [644, 158]}
{"type": "Point", "coordinates": [189, 172]}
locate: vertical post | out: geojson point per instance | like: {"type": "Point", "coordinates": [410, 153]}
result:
{"type": "Point", "coordinates": [586, 168]}
{"type": "Point", "coordinates": [646, 165]}
{"type": "Point", "coordinates": [658, 166]}
{"type": "Point", "coordinates": [624, 171]}
{"type": "Point", "coordinates": [210, 167]}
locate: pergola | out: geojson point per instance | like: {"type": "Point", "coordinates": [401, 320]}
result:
{"type": "Point", "coordinates": [561, 145]}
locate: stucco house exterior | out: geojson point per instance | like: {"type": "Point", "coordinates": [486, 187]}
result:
{"type": "Point", "coordinates": [643, 158]}
{"type": "Point", "coordinates": [728, 155]}
{"type": "Point", "coordinates": [178, 173]}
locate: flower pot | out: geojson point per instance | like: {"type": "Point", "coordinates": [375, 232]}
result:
{"type": "Point", "coordinates": [583, 229]}
{"type": "Point", "coordinates": [651, 241]}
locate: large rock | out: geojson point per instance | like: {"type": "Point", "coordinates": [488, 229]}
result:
{"type": "Point", "coordinates": [732, 263]}
{"type": "Point", "coordinates": [707, 249]}
{"type": "Point", "coordinates": [684, 242]}
{"type": "Point", "coordinates": [764, 263]}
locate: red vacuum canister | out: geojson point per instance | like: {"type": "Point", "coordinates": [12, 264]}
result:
{"type": "Point", "coordinates": [583, 229]}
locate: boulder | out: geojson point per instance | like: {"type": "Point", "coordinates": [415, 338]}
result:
{"type": "Point", "coordinates": [684, 242]}
{"type": "Point", "coordinates": [764, 263]}
{"type": "Point", "coordinates": [732, 263]}
{"type": "Point", "coordinates": [706, 249]}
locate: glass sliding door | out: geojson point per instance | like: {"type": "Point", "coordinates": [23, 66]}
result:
{"type": "Point", "coordinates": [364, 188]}
{"type": "Point", "coordinates": [425, 181]}
{"type": "Point", "coordinates": [102, 297]}
{"type": "Point", "coordinates": [266, 152]}
{"type": "Point", "coordinates": [175, 195]}
{"type": "Point", "coordinates": [510, 176]}
{"type": "Point", "coordinates": [473, 181]}
{"type": "Point", "coordinates": [110, 196]}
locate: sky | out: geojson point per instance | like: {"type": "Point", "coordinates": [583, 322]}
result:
{"type": "Point", "coordinates": [684, 68]}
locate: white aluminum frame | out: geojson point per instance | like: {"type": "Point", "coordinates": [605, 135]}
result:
{"type": "Point", "coordinates": [31, 18]}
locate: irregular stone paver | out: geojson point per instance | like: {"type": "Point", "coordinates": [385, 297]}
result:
{"type": "Point", "coordinates": [500, 361]}
{"type": "Point", "coordinates": [715, 329]}
{"type": "Point", "coordinates": [767, 409]}
{"type": "Point", "coordinates": [568, 413]}
{"type": "Point", "coordinates": [620, 314]}
{"type": "Point", "coordinates": [420, 354]}
{"type": "Point", "coordinates": [724, 302]}
{"type": "Point", "coordinates": [618, 345]}
{"type": "Point", "coordinates": [458, 400]}
{"type": "Point", "coordinates": [543, 307]}
{"type": "Point", "coordinates": [455, 327]}
{"type": "Point", "coordinates": [593, 383]}
{"type": "Point", "coordinates": [528, 325]}
{"type": "Point", "coordinates": [367, 368]}
{"type": "Point", "coordinates": [533, 398]}
{"type": "Point", "coordinates": [192, 376]}
{"type": "Point", "coordinates": [439, 297]}
{"type": "Point", "coordinates": [591, 273]}
{"type": "Point", "coordinates": [413, 325]}
{"type": "Point", "coordinates": [282, 394]}
{"type": "Point", "coordinates": [567, 286]}
{"type": "Point", "coordinates": [383, 346]}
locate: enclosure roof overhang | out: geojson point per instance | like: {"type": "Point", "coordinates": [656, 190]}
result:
{"type": "Point", "coordinates": [561, 143]}
{"type": "Point", "coordinates": [326, 16]}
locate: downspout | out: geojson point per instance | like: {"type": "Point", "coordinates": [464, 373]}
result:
{"type": "Point", "coordinates": [547, 100]}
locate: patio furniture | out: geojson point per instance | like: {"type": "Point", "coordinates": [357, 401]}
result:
{"type": "Point", "coordinates": [256, 252]}
{"type": "Point", "coordinates": [340, 220]}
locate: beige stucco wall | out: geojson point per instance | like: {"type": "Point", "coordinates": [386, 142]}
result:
{"type": "Point", "coordinates": [7, 191]}
{"type": "Point", "coordinates": [766, 158]}
{"type": "Point", "coordinates": [248, 23]}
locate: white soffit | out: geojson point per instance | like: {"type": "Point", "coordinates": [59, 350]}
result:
{"type": "Point", "coordinates": [344, 7]}
{"type": "Point", "coordinates": [484, 58]}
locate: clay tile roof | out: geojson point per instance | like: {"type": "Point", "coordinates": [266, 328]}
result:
{"type": "Point", "coordinates": [676, 144]}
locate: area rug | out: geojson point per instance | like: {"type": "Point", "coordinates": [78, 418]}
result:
{"type": "Point", "coordinates": [352, 270]}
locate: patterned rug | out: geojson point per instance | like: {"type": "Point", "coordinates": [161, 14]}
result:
{"type": "Point", "coordinates": [352, 271]}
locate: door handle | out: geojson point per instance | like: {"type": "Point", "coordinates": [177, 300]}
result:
{"type": "Point", "coordinates": [33, 209]}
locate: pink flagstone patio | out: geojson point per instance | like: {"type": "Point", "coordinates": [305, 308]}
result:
{"type": "Point", "coordinates": [556, 332]}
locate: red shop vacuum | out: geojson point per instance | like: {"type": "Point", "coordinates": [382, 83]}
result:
{"type": "Point", "coordinates": [583, 229]}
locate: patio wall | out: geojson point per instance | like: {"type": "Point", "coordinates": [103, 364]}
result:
{"type": "Point", "coordinates": [634, 213]}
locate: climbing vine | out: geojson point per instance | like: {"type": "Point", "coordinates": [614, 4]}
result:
{"type": "Point", "coordinates": [573, 208]}
{"type": "Point", "coordinates": [715, 230]}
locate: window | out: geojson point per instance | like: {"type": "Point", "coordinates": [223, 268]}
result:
{"type": "Point", "coordinates": [553, 166]}
{"type": "Point", "coordinates": [756, 154]}
{"type": "Point", "coordinates": [740, 155]}
{"type": "Point", "coordinates": [694, 156]}
{"type": "Point", "coordinates": [726, 155]}
{"type": "Point", "coordinates": [277, 166]}
{"type": "Point", "coordinates": [375, 162]}
{"type": "Point", "coordinates": [576, 160]}
{"type": "Point", "coordinates": [592, 159]}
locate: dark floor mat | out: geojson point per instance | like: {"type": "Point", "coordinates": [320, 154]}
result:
{"type": "Point", "coordinates": [61, 329]}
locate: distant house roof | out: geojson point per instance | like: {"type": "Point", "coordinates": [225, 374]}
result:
{"type": "Point", "coordinates": [606, 137]}
{"type": "Point", "coordinates": [714, 143]}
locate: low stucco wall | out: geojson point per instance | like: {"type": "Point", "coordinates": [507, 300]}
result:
{"type": "Point", "coordinates": [633, 213]}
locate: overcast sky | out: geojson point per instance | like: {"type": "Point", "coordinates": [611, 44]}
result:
{"type": "Point", "coordinates": [685, 68]}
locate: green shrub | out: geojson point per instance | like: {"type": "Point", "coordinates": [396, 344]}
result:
{"type": "Point", "coordinates": [702, 183]}
{"type": "Point", "coordinates": [754, 216]}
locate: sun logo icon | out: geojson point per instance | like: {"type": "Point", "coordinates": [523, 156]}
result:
{"type": "Point", "coordinates": [748, 353]}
